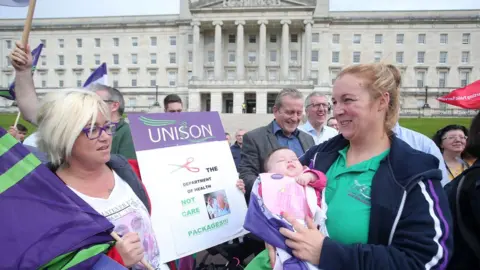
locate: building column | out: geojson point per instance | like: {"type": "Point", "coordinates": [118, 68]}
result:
{"type": "Point", "coordinates": [216, 102]}
{"type": "Point", "coordinates": [308, 48]}
{"type": "Point", "coordinates": [285, 48]}
{"type": "Point", "coordinates": [194, 101]}
{"type": "Point", "coordinates": [240, 57]}
{"type": "Point", "coordinates": [218, 51]}
{"type": "Point", "coordinates": [196, 51]}
{"type": "Point", "coordinates": [238, 100]}
{"type": "Point", "coordinates": [261, 103]}
{"type": "Point", "coordinates": [262, 50]}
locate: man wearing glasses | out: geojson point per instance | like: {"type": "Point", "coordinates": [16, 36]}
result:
{"type": "Point", "coordinates": [317, 110]}
{"type": "Point", "coordinates": [122, 142]}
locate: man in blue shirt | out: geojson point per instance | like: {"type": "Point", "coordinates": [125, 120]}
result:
{"type": "Point", "coordinates": [282, 131]}
{"type": "Point", "coordinates": [422, 143]}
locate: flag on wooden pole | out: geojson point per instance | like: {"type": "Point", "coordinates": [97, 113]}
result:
{"type": "Point", "coordinates": [14, 3]}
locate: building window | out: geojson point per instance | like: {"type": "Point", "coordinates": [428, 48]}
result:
{"type": "Point", "coordinates": [420, 57]}
{"type": "Point", "coordinates": [172, 78]}
{"type": "Point", "coordinates": [465, 57]}
{"type": "Point", "coordinates": [252, 56]}
{"type": "Point", "coordinates": [44, 42]}
{"type": "Point", "coordinates": [79, 83]}
{"type": "Point", "coordinates": [231, 57]}
{"type": "Point", "coordinates": [230, 75]}
{"type": "Point", "coordinates": [378, 38]}
{"type": "Point", "coordinates": [314, 76]}
{"type": "Point", "coordinates": [356, 57]}
{"type": "Point", "coordinates": [400, 38]}
{"type": "Point", "coordinates": [335, 57]}
{"type": "Point", "coordinates": [252, 74]}
{"type": "Point", "coordinates": [9, 63]}
{"type": "Point", "coordinates": [231, 39]}
{"type": "Point", "coordinates": [173, 58]}
{"type": "Point", "coordinates": [211, 56]}
{"type": "Point", "coordinates": [272, 75]}
{"type": "Point", "coordinates": [190, 39]}
{"type": "Point", "coordinates": [189, 75]}
{"type": "Point", "coordinates": [442, 79]}
{"type": "Point", "coordinates": [115, 79]}
{"type": "Point", "coordinates": [61, 43]}
{"type": "Point", "coordinates": [61, 60]}
{"type": "Point", "coordinates": [315, 56]}
{"type": "Point", "coordinates": [422, 39]}
{"type": "Point", "coordinates": [273, 38]}
{"type": "Point", "coordinates": [333, 75]}
{"type": "Point", "coordinates": [153, 78]}
{"type": "Point", "coordinates": [293, 38]}
{"type": "Point", "coordinates": [208, 39]}
{"type": "Point", "coordinates": [466, 38]}
{"type": "Point", "coordinates": [293, 75]}
{"type": "Point", "coordinates": [79, 43]}
{"type": "Point", "coordinates": [97, 59]}
{"type": "Point", "coordinates": [132, 102]}
{"type": "Point", "coordinates": [377, 57]}
{"type": "Point", "coordinates": [134, 58]}
{"type": "Point", "coordinates": [173, 40]}
{"type": "Point", "coordinates": [273, 56]}
{"type": "Point", "coordinates": [116, 59]}
{"type": "Point", "coordinates": [134, 41]}
{"type": "Point", "coordinates": [252, 39]}
{"type": "Point", "coordinates": [61, 84]}
{"type": "Point", "coordinates": [153, 41]}
{"type": "Point", "coordinates": [294, 56]}
{"type": "Point", "coordinates": [357, 38]}
{"type": "Point", "coordinates": [315, 37]}
{"type": "Point", "coordinates": [44, 60]}
{"type": "Point", "coordinates": [153, 58]}
{"type": "Point", "coordinates": [464, 78]}
{"type": "Point", "coordinates": [134, 83]}
{"type": "Point", "coordinates": [8, 43]}
{"type": "Point", "coordinates": [79, 60]}
{"type": "Point", "coordinates": [420, 78]}
{"type": "Point", "coordinates": [97, 43]}
{"type": "Point", "coordinates": [116, 42]}
{"type": "Point", "coordinates": [190, 57]}
{"type": "Point", "coordinates": [399, 57]}
{"type": "Point", "coordinates": [443, 57]}
{"type": "Point", "coordinates": [210, 74]}
{"type": "Point", "coordinates": [443, 38]}
{"type": "Point", "coordinates": [336, 38]}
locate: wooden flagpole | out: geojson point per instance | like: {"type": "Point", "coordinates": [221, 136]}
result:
{"type": "Point", "coordinates": [26, 33]}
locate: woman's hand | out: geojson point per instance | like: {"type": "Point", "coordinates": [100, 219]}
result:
{"type": "Point", "coordinates": [130, 248]}
{"type": "Point", "coordinates": [306, 243]}
{"type": "Point", "coordinates": [21, 58]}
{"type": "Point", "coordinates": [271, 254]}
{"type": "Point", "coordinates": [241, 185]}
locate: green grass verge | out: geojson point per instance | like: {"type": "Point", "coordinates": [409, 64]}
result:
{"type": "Point", "coordinates": [427, 126]}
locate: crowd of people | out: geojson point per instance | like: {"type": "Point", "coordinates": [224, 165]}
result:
{"type": "Point", "coordinates": [387, 208]}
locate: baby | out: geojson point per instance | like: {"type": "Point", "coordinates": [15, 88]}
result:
{"type": "Point", "coordinates": [301, 198]}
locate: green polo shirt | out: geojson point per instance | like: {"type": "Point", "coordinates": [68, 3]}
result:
{"type": "Point", "coordinates": [347, 196]}
{"type": "Point", "coordinates": [122, 142]}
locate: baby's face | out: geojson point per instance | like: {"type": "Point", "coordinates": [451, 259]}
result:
{"type": "Point", "coordinates": [285, 162]}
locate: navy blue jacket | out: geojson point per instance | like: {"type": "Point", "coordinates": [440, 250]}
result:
{"type": "Point", "coordinates": [410, 219]}
{"type": "Point", "coordinates": [236, 153]}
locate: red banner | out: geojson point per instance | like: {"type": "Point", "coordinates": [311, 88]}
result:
{"type": "Point", "coordinates": [467, 97]}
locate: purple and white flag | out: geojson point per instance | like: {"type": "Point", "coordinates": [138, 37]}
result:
{"type": "Point", "coordinates": [98, 76]}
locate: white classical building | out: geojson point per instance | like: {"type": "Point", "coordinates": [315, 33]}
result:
{"type": "Point", "coordinates": [220, 54]}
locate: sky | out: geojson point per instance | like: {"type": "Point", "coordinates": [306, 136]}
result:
{"type": "Point", "coordinates": [88, 8]}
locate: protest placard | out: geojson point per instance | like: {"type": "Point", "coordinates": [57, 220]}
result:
{"type": "Point", "coordinates": [187, 167]}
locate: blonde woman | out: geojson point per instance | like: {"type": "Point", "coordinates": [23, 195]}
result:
{"type": "Point", "coordinates": [386, 206]}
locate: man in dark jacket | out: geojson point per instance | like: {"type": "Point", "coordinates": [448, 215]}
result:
{"type": "Point", "coordinates": [236, 148]}
{"type": "Point", "coordinates": [282, 131]}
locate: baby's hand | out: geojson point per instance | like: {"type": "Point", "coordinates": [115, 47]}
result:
{"type": "Point", "coordinates": [305, 178]}
{"type": "Point", "coordinates": [241, 185]}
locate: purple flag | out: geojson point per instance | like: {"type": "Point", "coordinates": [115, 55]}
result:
{"type": "Point", "coordinates": [42, 220]}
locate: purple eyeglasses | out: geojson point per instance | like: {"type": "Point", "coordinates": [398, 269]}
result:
{"type": "Point", "coordinates": [96, 132]}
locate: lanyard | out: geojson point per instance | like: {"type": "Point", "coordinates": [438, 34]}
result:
{"type": "Point", "coordinates": [464, 167]}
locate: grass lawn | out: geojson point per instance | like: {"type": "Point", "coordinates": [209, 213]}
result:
{"type": "Point", "coordinates": [427, 126]}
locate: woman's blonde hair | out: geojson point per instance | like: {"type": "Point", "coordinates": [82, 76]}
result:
{"type": "Point", "coordinates": [380, 78]}
{"type": "Point", "coordinates": [62, 116]}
